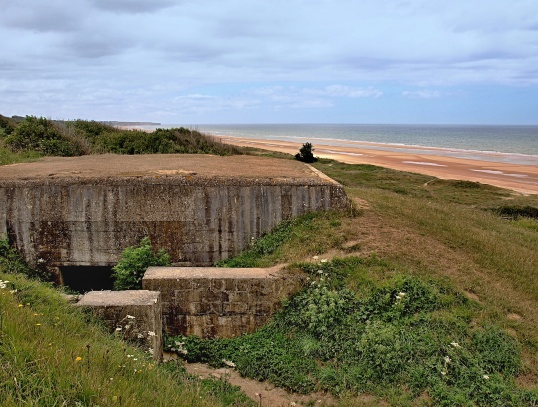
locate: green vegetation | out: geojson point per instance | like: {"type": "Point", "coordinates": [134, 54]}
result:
{"type": "Point", "coordinates": [12, 262]}
{"type": "Point", "coordinates": [54, 354]}
{"type": "Point", "coordinates": [133, 263]}
{"type": "Point", "coordinates": [34, 137]}
{"type": "Point", "coordinates": [306, 154]}
{"type": "Point", "coordinates": [469, 247]}
{"type": "Point", "coordinates": [292, 239]}
{"type": "Point", "coordinates": [360, 326]}
{"type": "Point", "coordinates": [462, 253]}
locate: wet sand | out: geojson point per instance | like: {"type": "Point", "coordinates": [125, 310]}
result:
{"type": "Point", "coordinates": [491, 168]}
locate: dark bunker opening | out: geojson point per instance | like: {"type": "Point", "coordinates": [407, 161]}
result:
{"type": "Point", "coordinates": [87, 278]}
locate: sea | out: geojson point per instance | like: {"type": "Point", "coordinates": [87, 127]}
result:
{"type": "Point", "coordinates": [514, 144]}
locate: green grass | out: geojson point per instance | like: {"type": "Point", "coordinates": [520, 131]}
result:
{"type": "Point", "coordinates": [444, 241]}
{"type": "Point", "coordinates": [480, 241]}
{"type": "Point", "coordinates": [310, 234]}
{"type": "Point", "coordinates": [7, 156]}
{"type": "Point", "coordinates": [361, 326]}
{"type": "Point", "coordinates": [53, 354]}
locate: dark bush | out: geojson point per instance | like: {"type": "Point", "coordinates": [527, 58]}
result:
{"type": "Point", "coordinates": [306, 154]}
{"type": "Point", "coordinates": [92, 129]}
{"type": "Point", "coordinates": [516, 211]}
{"type": "Point", "coordinates": [7, 126]}
{"type": "Point", "coordinates": [41, 135]}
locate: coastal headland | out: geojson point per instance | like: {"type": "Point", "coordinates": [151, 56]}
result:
{"type": "Point", "coordinates": [488, 168]}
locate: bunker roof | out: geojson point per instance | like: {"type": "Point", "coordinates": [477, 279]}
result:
{"type": "Point", "coordinates": [165, 166]}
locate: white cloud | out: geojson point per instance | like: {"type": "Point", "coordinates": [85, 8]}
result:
{"type": "Point", "coordinates": [421, 94]}
{"type": "Point", "coordinates": [280, 54]}
{"type": "Point", "coordinates": [346, 91]}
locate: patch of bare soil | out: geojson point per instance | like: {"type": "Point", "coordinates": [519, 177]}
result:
{"type": "Point", "coordinates": [269, 395]}
{"type": "Point", "coordinates": [472, 296]}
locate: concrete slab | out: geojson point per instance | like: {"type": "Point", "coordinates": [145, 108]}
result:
{"type": "Point", "coordinates": [219, 302]}
{"type": "Point", "coordinates": [161, 166]}
{"type": "Point", "coordinates": [211, 272]}
{"type": "Point", "coordinates": [134, 315]}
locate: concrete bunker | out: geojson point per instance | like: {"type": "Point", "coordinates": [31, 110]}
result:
{"type": "Point", "coordinates": [213, 302]}
{"type": "Point", "coordinates": [134, 315]}
{"type": "Point", "coordinates": [66, 215]}
{"type": "Point", "coordinates": [87, 278]}
{"type": "Point", "coordinates": [208, 302]}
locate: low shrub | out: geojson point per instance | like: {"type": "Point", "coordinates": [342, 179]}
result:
{"type": "Point", "coordinates": [306, 154]}
{"type": "Point", "coordinates": [517, 211]}
{"type": "Point", "coordinates": [7, 126]}
{"type": "Point", "coordinates": [80, 137]}
{"type": "Point", "coordinates": [134, 261]}
{"type": "Point", "coordinates": [41, 135]}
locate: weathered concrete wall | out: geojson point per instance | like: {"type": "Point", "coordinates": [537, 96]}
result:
{"type": "Point", "coordinates": [135, 316]}
{"type": "Point", "coordinates": [218, 302]}
{"type": "Point", "coordinates": [198, 217]}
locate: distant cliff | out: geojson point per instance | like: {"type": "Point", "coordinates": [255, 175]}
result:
{"type": "Point", "coordinates": [114, 123]}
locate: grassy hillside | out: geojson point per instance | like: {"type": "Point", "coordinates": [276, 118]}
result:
{"type": "Point", "coordinates": [472, 250]}
{"type": "Point", "coordinates": [53, 354]}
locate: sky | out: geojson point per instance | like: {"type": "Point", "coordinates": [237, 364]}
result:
{"type": "Point", "coordinates": [280, 61]}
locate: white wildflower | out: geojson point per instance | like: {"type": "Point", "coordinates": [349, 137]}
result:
{"type": "Point", "coordinates": [323, 261]}
{"type": "Point", "coordinates": [315, 257]}
{"type": "Point", "coordinates": [447, 359]}
{"type": "Point", "coordinates": [118, 328]}
{"type": "Point", "coordinates": [443, 372]}
{"type": "Point", "coordinates": [151, 333]}
{"type": "Point", "coordinates": [455, 344]}
{"type": "Point", "coordinates": [139, 336]}
{"type": "Point", "coordinates": [486, 377]}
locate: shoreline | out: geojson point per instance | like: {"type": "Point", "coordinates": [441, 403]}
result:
{"type": "Point", "coordinates": [438, 162]}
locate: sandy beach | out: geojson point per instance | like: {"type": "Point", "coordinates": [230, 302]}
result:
{"type": "Point", "coordinates": [491, 168]}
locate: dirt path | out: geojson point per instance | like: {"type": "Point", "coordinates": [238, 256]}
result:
{"type": "Point", "coordinates": [271, 396]}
